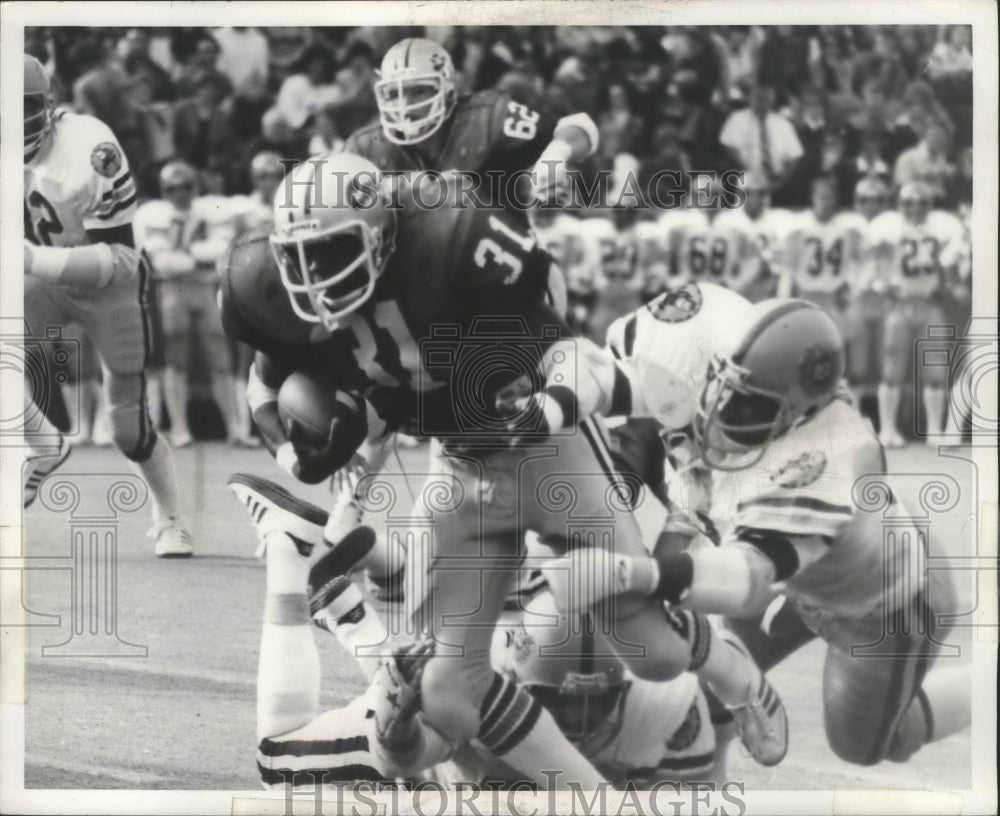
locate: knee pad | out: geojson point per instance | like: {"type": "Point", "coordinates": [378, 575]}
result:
{"type": "Point", "coordinates": [131, 429]}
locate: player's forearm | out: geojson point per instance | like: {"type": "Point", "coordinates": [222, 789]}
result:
{"type": "Point", "coordinates": [263, 401]}
{"type": "Point", "coordinates": [91, 267]}
{"type": "Point", "coordinates": [582, 379]}
{"type": "Point", "coordinates": [577, 132]}
{"type": "Point", "coordinates": [424, 748]}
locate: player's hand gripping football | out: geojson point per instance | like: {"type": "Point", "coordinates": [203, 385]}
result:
{"type": "Point", "coordinates": [317, 459]}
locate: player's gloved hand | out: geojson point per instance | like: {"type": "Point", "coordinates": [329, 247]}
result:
{"type": "Point", "coordinates": [316, 461]}
{"type": "Point", "coordinates": [395, 695]}
{"type": "Point", "coordinates": [550, 183]}
{"type": "Point", "coordinates": [590, 575]}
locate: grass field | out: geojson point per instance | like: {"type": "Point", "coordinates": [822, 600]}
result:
{"type": "Point", "coordinates": [183, 716]}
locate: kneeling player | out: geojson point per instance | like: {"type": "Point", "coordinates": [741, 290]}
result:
{"type": "Point", "coordinates": [786, 452]}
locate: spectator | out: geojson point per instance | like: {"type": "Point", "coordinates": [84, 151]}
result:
{"type": "Point", "coordinates": [699, 125]}
{"type": "Point", "coordinates": [620, 129]}
{"type": "Point", "coordinates": [243, 112]}
{"type": "Point", "coordinates": [870, 161]}
{"type": "Point", "coordinates": [308, 89]}
{"type": "Point", "coordinates": [953, 55]}
{"type": "Point", "coordinates": [929, 162]}
{"type": "Point", "coordinates": [327, 133]}
{"type": "Point", "coordinates": [764, 141]}
{"type": "Point", "coordinates": [202, 64]}
{"type": "Point", "coordinates": [200, 126]}
{"type": "Point", "coordinates": [243, 53]}
{"type": "Point", "coordinates": [141, 69]}
{"type": "Point", "coordinates": [102, 89]}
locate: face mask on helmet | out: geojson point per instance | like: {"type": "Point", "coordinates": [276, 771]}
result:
{"type": "Point", "coordinates": [413, 108]}
{"type": "Point", "coordinates": [330, 275]}
{"type": "Point", "coordinates": [586, 708]}
{"type": "Point", "coordinates": [37, 121]}
{"type": "Point", "coordinates": [736, 421]}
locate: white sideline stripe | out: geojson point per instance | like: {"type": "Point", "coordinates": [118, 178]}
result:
{"type": "Point", "coordinates": [136, 779]}
{"type": "Point", "coordinates": [140, 666]}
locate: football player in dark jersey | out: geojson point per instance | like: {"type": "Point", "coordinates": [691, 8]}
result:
{"type": "Point", "coordinates": [424, 124]}
{"type": "Point", "coordinates": [436, 321]}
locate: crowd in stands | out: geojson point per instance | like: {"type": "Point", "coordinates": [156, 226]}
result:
{"type": "Point", "coordinates": [792, 101]}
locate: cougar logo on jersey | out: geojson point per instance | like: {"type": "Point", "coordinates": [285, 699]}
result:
{"type": "Point", "coordinates": [677, 305]}
{"type": "Point", "coordinates": [818, 370]}
{"type": "Point", "coordinates": [802, 471]}
{"type": "Point", "coordinates": [106, 160]}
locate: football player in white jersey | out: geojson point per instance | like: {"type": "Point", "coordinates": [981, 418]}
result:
{"type": "Point", "coordinates": [788, 453]}
{"type": "Point", "coordinates": [753, 233]}
{"type": "Point", "coordinates": [82, 266]}
{"type": "Point", "coordinates": [916, 251]}
{"type": "Point", "coordinates": [184, 236]}
{"type": "Point", "coordinates": [619, 287]}
{"type": "Point", "coordinates": [869, 303]}
{"type": "Point", "coordinates": [686, 231]}
{"type": "Point", "coordinates": [822, 255]}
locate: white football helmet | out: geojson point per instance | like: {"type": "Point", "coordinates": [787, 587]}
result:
{"type": "Point", "coordinates": [333, 235]}
{"type": "Point", "coordinates": [37, 106]}
{"type": "Point", "coordinates": [563, 663]}
{"type": "Point", "coordinates": [783, 364]}
{"type": "Point", "coordinates": [415, 90]}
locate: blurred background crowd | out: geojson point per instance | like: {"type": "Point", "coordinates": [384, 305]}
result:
{"type": "Point", "coordinates": [853, 101]}
{"type": "Point", "coordinates": [791, 104]}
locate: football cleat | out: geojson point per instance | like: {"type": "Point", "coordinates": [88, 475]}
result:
{"type": "Point", "coordinates": [38, 466]}
{"type": "Point", "coordinates": [173, 539]}
{"type": "Point", "coordinates": [274, 509]}
{"type": "Point", "coordinates": [761, 721]}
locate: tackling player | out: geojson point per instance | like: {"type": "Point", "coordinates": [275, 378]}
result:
{"type": "Point", "coordinates": [369, 293]}
{"type": "Point", "coordinates": [82, 266]}
{"type": "Point", "coordinates": [916, 252]}
{"type": "Point", "coordinates": [789, 459]}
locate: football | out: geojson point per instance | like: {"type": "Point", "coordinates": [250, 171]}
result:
{"type": "Point", "coordinates": [311, 403]}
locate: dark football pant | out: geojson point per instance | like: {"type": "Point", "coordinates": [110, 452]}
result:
{"type": "Point", "coordinates": [871, 675]}
{"type": "Point", "coordinates": [465, 548]}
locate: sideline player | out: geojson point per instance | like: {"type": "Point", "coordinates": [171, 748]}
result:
{"type": "Point", "coordinates": [184, 235]}
{"type": "Point", "coordinates": [917, 251]}
{"type": "Point", "coordinates": [360, 309]}
{"type": "Point", "coordinates": [82, 266]}
{"type": "Point", "coordinates": [822, 255]}
{"type": "Point", "coordinates": [787, 452]}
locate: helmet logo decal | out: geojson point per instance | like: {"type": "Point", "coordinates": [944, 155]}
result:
{"type": "Point", "coordinates": [818, 371]}
{"type": "Point", "coordinates": [437, 61]}
{"type": "Point", "coordinates": [677, 305]}
{"type": "Point", "coordinates": [106, 159]}
{"type": "Point", "coordinates": [801, 471]}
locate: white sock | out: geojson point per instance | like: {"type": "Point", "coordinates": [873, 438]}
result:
{"type": "Point", "coordinates": [728, 671]}
{"type": "Point", "coordinates": [161, 476]}
{"type": "Point", "coordinates": [934, 401]}
{"type": "Point", "coordinates": [223, 392]}
{"type": "Point", "coordinates": [358, 628]}
{"type": "Point", "coordinates": [288, 671]}
{"type": "Point", "coordinates": [175, 394]}
{"type": "Point", "coordinates": [287, 571]}
{"type": "Point", "coordinates": [888, 407]}
{"type": "Point", "coordinates": [241, 409]}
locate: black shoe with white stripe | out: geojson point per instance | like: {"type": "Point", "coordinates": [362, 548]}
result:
{"type": "Point", "coordinates": [37, 466]}
{"type": "Point", "coordinates": [274, 509]}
